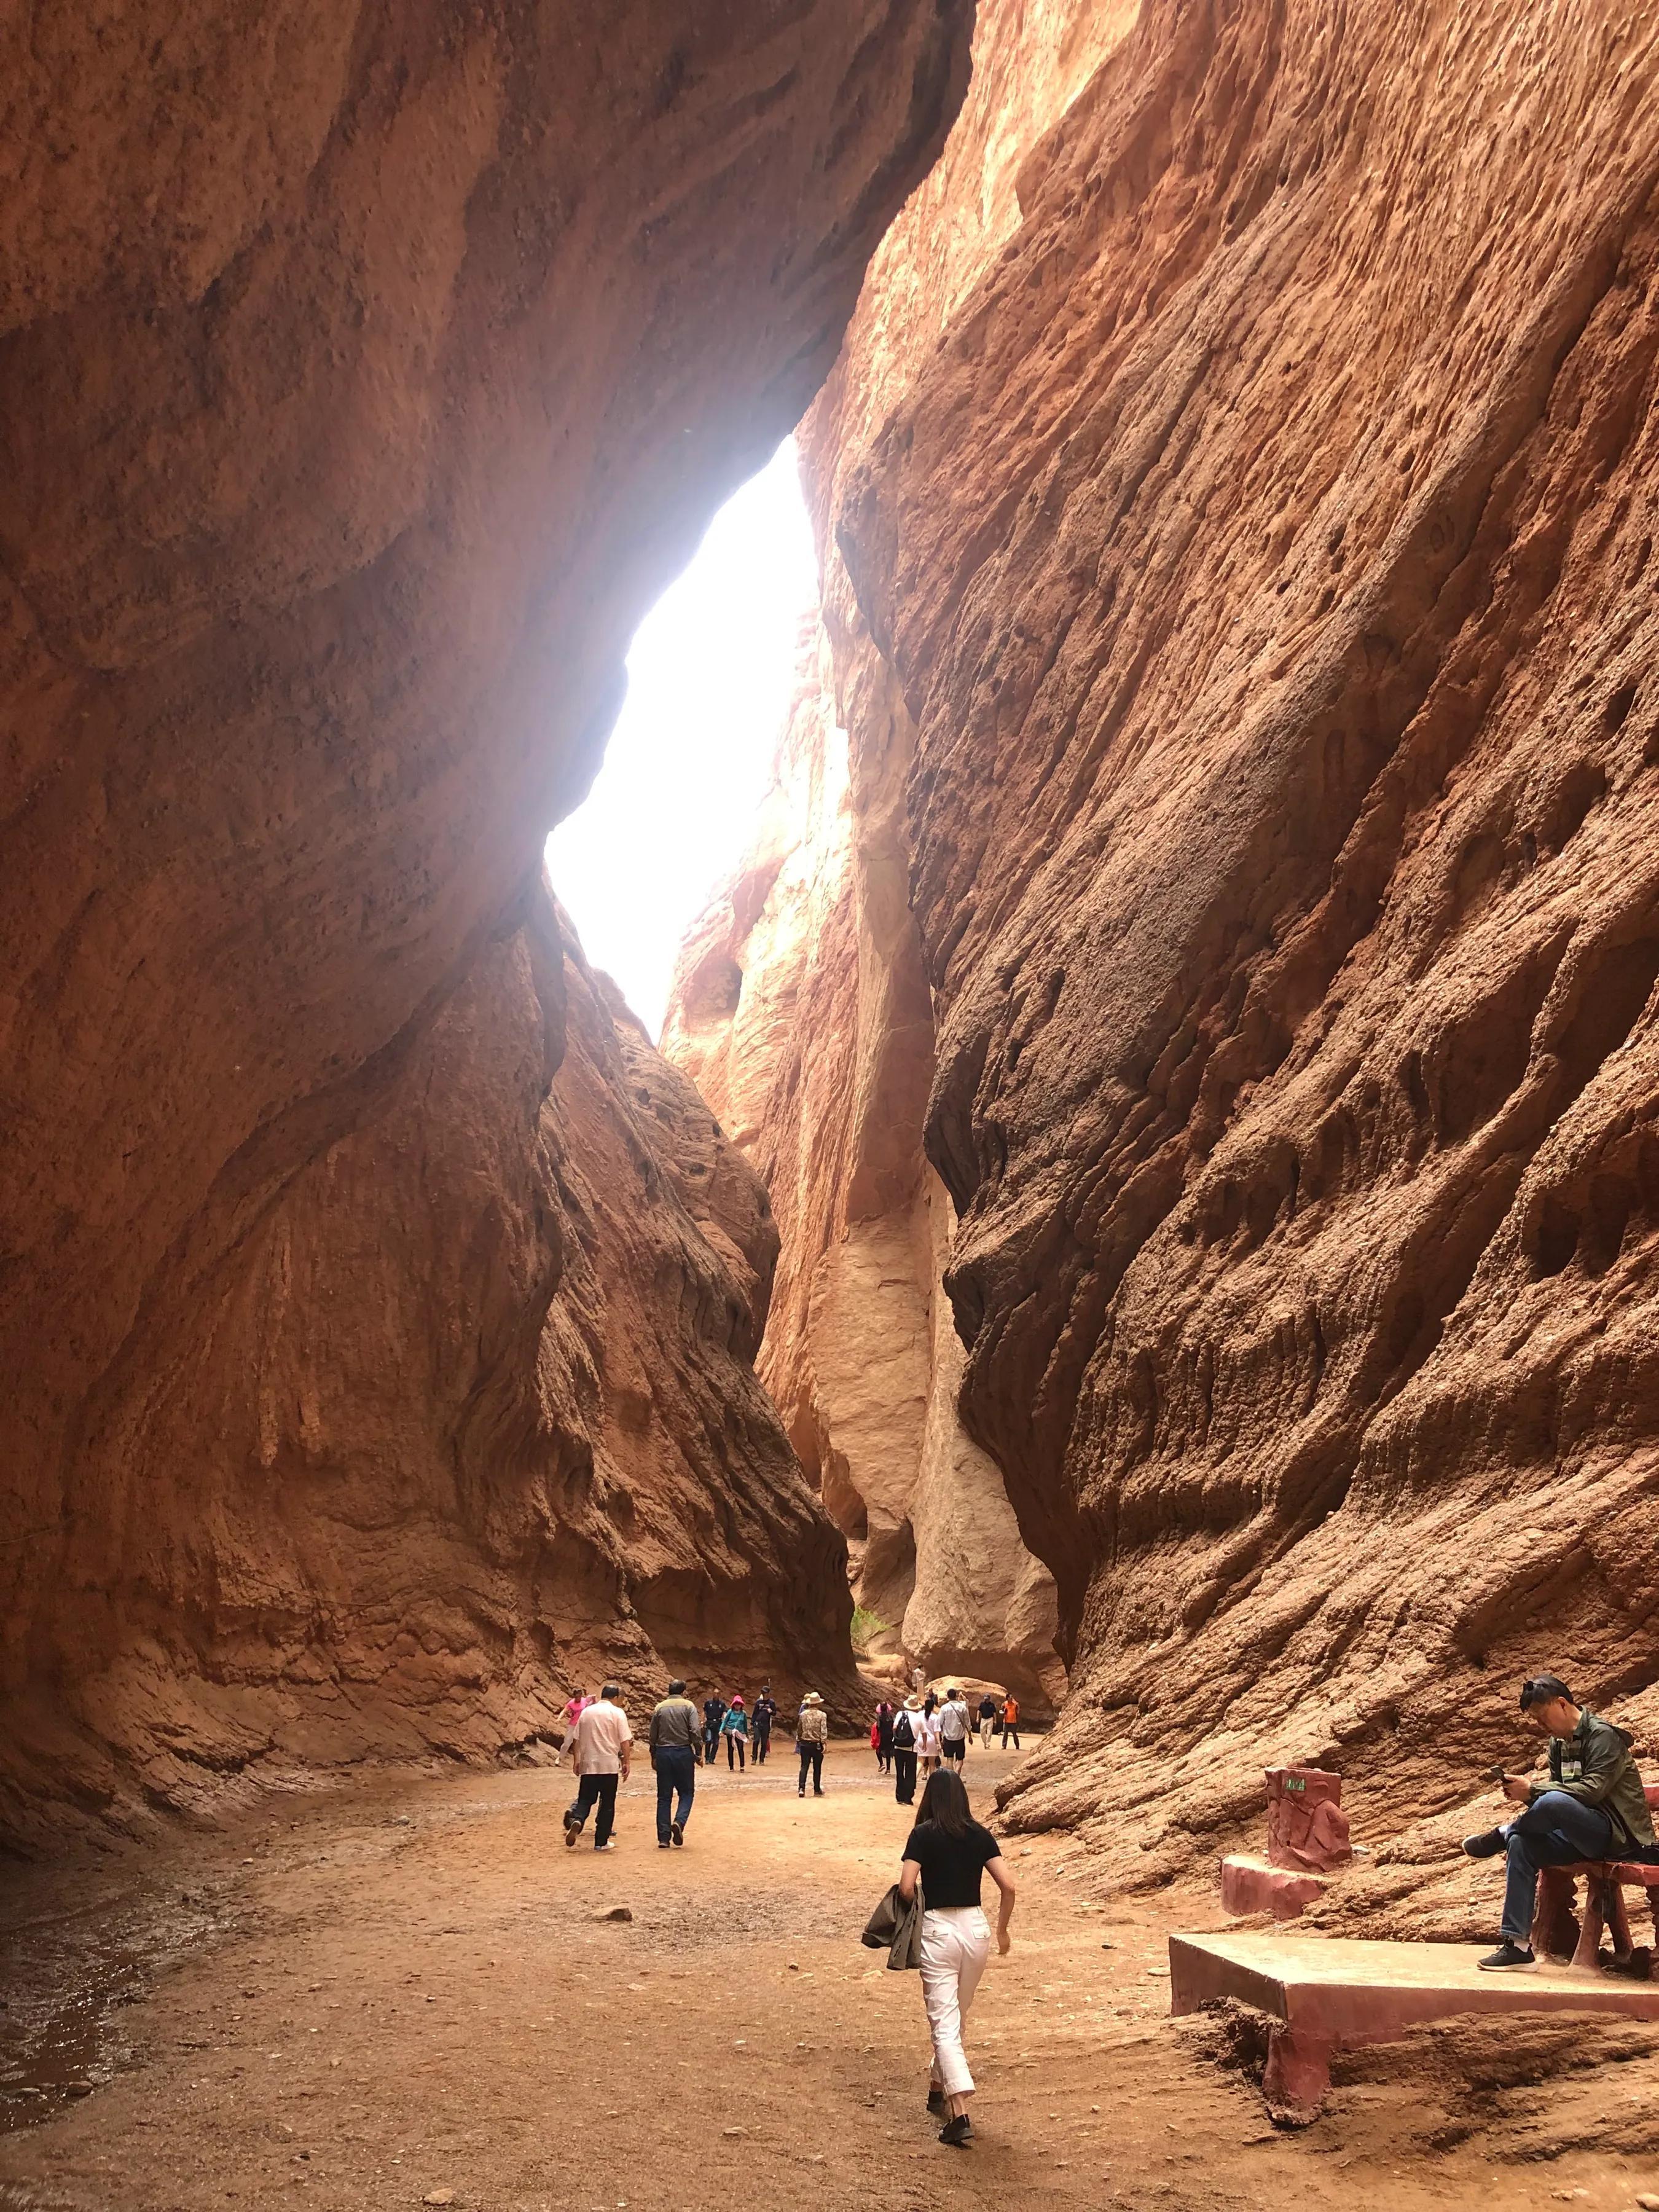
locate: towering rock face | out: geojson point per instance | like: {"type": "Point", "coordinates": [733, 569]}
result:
{"type": "Point", "coordinates": [802, 1005]}
{"type": "Point", "coordinates": [799, 1012]}
{"type": "Point", "coordinates": [363, 372]}
{"type": "Point", "coordinates": [1241, 591]}
{"type": "Point", "coordinates": [470, 1416]}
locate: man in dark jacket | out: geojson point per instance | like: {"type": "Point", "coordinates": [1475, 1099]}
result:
{"type": "Point", "coordinates": [1593, 1807]}
{"type": "Point", "coordinates": [760, 1723]}
{"type": "Point", "coordinates": [714, 1713]}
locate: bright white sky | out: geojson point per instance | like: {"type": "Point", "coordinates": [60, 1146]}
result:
{"type": "Point", "coordinates": [710, 674]}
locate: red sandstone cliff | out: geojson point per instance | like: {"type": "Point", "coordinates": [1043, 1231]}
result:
{"type": "Point", "coordinates": [1238, 569]}
{"type": "Point", "coordinates": [469, 1416]}
{"type": "Point", "coordinates": [364, 371]}
{"type": "Point", "coordinates": [783, 1014]}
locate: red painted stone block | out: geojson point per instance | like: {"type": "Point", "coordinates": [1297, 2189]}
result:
{"type": "Point", "coordinates": [1250, 1885]}
{"type": "Point", "coordinates": [1307, 1828]}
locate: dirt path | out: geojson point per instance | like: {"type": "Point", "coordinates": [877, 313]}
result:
{"type": "Point", "coordinates": [378, 1997]}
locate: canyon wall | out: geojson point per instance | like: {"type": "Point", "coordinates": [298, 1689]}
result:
{"type": "Point", "coordinates": [470, 1416]}
{"type": "Point", "coordinates": [1237, 520]}
{"type": "Point", "coordinates": [801, 1004]}
{"type": "Point", "coordinates": [365, 372]}
{"type": "Point", "coordinates": [784, 1013]}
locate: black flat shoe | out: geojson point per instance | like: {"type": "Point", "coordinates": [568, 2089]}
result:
{"type": "Point", "coordinates": [936, 2103]}
{"type": "Point", "coordinates": [1486, 1846]}
{"type": "Point", "coordinates": [958, 2132]}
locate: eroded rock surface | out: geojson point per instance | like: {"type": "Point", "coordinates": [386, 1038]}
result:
{"type": "Point", "coordinates": [1249, 561]}
{"type": "Point", "coordinates": [470, 1416]}
{"type": "Point", "coordinates": [799, 1011]}
{"type": "Point", "coordinates": [364, 372]}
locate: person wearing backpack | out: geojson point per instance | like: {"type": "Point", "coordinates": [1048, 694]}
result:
{"type": "Point", "coordinates": [904, 1750]}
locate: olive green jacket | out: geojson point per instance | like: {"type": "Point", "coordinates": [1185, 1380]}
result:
{"type": "Point", "coordinates": [1594, 1765]}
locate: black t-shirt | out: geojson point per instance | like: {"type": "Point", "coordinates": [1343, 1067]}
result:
{"type": "Point", "coordinates": [951, 1865]}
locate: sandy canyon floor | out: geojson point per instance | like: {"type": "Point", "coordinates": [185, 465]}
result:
{"type": "Point", "coordinates": [375, 1998]}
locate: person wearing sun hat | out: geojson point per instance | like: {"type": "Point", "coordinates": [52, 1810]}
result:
{"type": "Point", "coordinates": [811, 1733]}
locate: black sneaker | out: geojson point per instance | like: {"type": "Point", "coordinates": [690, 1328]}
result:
{"type": "Point", "coordinates": [936, 2103]}
{"type": "Point", "coordinates": [1486, 1846]}
{"type": "Point", "coordinates": [1506, 1958]}
{"type": "Point", "coordinates": [958, 2132]}
{"type": "Point", "coordinates": [662, 1843]}
{"type": "Point", "coordinates": [676, 1831]}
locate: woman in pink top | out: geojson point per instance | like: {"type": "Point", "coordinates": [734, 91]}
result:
{"type": "Point", "coordinates": [572, 1713]}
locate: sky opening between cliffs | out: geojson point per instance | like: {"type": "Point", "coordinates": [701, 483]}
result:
{"type": "Point", "coordinates": [709, 674]}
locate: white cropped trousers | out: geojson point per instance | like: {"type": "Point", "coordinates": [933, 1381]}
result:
{"type": "Point", "coordinates": [955, 1942]}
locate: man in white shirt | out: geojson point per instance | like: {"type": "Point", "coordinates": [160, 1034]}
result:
{"type": "Point", "coordinates": [953, 1725]}
{"type": "Point", "coordinates": [601, 1753]}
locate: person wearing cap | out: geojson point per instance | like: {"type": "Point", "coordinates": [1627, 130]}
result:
{"type": "Point", "coordinates": [735, 1728]}
{"type": "Point", "coordinates": [904, 1750]}
{"type": "Point", "coordinates": [760, 1723]}
{"type": "Point", "coordinates": [714, 1713]}
{"type": "Point", "coordinates": [1593, 1807]}
{"type": "Point", "coordinates": [811, 1733]}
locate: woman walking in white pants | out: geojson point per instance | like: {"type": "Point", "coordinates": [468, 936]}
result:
{"type": "Point", "coordinates": [947, 1851]}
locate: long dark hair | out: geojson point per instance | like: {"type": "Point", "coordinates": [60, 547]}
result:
{"type": "Point", "coordinates": [944, 1802]}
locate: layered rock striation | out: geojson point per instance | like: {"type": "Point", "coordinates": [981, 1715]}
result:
{"type": "Point", "coordinates": [800, 1012]}
{"type": "Point", "coordinates": [471, 1416]}
{"type": "Point", "coordinates": [1238, 567]}
{"type": "Point", "coordinates": [364, 373]}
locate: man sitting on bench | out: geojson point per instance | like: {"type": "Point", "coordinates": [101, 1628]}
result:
{"type": "Point", "coordinates": [1593, 1807]}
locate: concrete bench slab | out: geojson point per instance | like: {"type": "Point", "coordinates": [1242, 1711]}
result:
{"type": "Point", "coordinates": [1326, 1992]}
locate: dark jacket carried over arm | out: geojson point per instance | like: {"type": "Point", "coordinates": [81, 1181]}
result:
{"type": "Point", "coordinates": [1594, 1765]}
{"type": "Point", "coordinates": [896, 1926]}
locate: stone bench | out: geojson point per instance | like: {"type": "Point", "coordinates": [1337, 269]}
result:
{"type": "Point", "coordinates": [1325, 1993]}
{"type": "Point", "coordinates": [1554, 1928]}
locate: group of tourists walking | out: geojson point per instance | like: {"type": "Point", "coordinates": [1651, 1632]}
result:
{"type": "Point", "coordinates": [600, 1742]}
{"type": "Point", "coordinates": [1591, 1807]}
{"type": "Point", "coordinates": [914, 1737]}
{"type": "Point", "coordinates": [947, 1853]}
